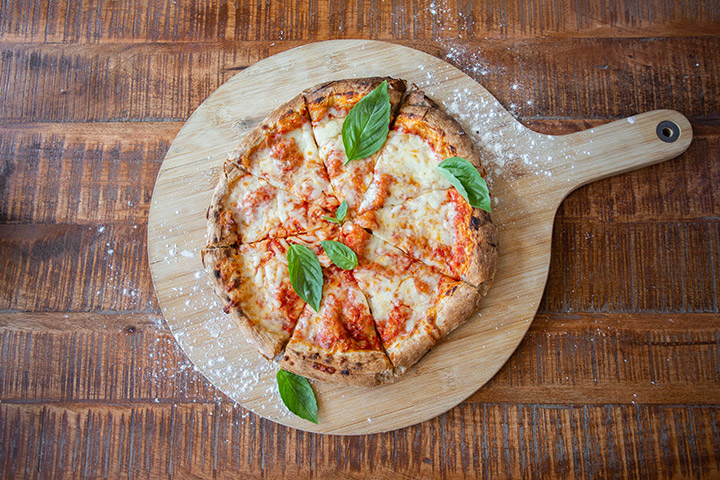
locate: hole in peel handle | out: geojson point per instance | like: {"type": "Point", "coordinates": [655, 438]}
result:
{"type": "Point", "coordinates": [620, 146]}
{"type": "Point", "coordinates": [668, 131]}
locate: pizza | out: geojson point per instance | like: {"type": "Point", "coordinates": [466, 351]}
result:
{"type": "Point", "coordinates": [417, 257]}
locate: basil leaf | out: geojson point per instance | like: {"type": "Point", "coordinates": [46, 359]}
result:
{"type": "Point", "coordinates": [331, 219]}
{"type": "Point", "coordinates": [467, 180]}
{"type": "Point", "coordinates": [297, 395]}
{"type": "Point", "coordinates": [367, 124]}
{"type": "Point", "coordinates": [341, 212]}
{"type": "Point", "coordinates": [340, 254]}
{"type": "Point", "coordinates": [305, 274]}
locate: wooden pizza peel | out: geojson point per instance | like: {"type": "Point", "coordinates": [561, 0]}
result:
{"type": "Point", "coordinates": [529, 175]}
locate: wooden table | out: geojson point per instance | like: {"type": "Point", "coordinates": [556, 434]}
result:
{"type": "Point", "coordinates": [619, 375]}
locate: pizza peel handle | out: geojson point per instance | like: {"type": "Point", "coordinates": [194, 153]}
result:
{"type": "Point", "coordinates": [621, 146]}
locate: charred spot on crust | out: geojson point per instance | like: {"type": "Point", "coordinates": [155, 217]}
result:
{"type": "Point", "coordinates": [314, 356]}
{"type": "Point", "coordinates": [323, 368]}
{"type": "Point", "coordinates": [453, 290]}
{"type": "Point", "coordinates": [216, 272]}
{"type": "Point", "coordinates": [286, 358]}
{"type": "Point", "coordinates": [475, 223]}
{"type": "Point", "coordinates": [345, 372]}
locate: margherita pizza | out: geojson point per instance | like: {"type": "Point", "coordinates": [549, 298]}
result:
{"type": "Point", "coordinates": [416, 256]}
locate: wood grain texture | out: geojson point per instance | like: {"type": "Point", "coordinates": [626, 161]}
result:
{"type": "Point", "coordinates": [168, 81]}
{"type": "Point", "coordinates": [207, 21]}
{"type": "Point", "coordinates": [471, 441]}
{"type": "Point", "coordinates": [611, 320]}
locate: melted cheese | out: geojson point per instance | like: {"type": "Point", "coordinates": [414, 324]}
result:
{"type": "Point", "coordinates": [307, 179]}
{"type": "Point", "coordinates": [422, 227]}
{"type": "Point", "coordinates": [343, 322]}
{"type": "Point", "coordinates": [410, 165]}
{"type": "Point", "coordinates": [261, 211]}
{"type": "Point", "coordinates": [402, 293]}
{"type": "Point", "coordinates": [263, 292]}
{"type": "Point", "coordinates": [351, 180]}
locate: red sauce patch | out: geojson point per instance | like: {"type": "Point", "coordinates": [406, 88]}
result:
{"type": "Point", "coordinates": [382, 183]}
{"type": "Point", "coordinates": [290, 305]}
{"type": "Point", "coordinates": [335, 163]}
{"type": "Point", "coordinates": [288, 155]}
{"type": "Point", "coordinates": [396, 322]}
{"type": "Point", "coordinates": [255, 198]}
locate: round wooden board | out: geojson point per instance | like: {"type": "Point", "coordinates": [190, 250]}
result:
{"type": "Point", "coordinates": [529, 175]}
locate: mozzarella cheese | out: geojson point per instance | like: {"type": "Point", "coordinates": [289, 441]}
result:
{"type": "Point", "coordinates": [260, 210]}
{"type": "Point", "coordinates": [306, 178]}
{"type": "Point", "coordinates": [351, 180]}
{"type": "Point", "coordinates": [406, 168]}
{"type": "Point", "coordinates": [422, 227]}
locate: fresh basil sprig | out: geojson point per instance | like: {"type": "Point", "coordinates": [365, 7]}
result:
{"type": "Point", "coordinates": [305, 274]}
{"type": "Point", "coordinates": [340, 214]}
{"type": "Point", "coordinates": [367, 124]}
{"type": "Point", "coordinates": [297, 395]}
{"type": "Point", "coordinates": [467, 180]}
{"type": "Point", "coordinates": [340, 254]}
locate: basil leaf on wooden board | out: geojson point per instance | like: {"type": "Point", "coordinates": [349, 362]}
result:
{"type": "Point", "coordinates": [305, 274]}
{"type": "Point", "coordinates": [467, 180]}
{"type": "Point", "coordinates": [297, 395]}
{"type": "Point", "coordinates": [340, 254]}
{"type": "Point", "coordinates": [366, 126]}
{"type": "Point", "coordinates": [340, 214]}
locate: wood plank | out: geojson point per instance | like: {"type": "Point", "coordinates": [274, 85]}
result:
{"type": "Point", "coordinates": [204, 21]}
{"type": "Point", "coordinates": [67, 267]}
{"type": "Point", "coordinates": [81, 173]}
{"type": "Point", "coordinates": [222, 441]}
{"type": "Point", "coordinates": [594, 78]}
{"type": "Point", "coordinates": [566, 359]}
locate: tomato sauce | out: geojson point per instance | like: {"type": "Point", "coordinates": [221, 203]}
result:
{"type": "Point", "coordinates": [288, 155]}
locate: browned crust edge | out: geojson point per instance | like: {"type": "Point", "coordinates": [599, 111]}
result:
{"type": "Point", "coordinates": [217, 236]}
{"type": "Point", "coordinates": [452, 311]}
{"type": "Point", "coordinates": [362, 368]}
{"type": "Point", "coordinates": [417, 107]}
{"type": "Point", "coordinates": [256, 137]}
{"type": "Point", "coordinates": [268, 345]}
{"type": "Point", "coordinates": [352, 88]}
{"type": "Point", "coordinates": [480, 272]}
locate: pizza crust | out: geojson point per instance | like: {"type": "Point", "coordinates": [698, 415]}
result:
{"type": "Point", "coordinates": [267, 344]}
{"type": "Point", "coordinates": [420, 115]}
{"type": "Point", "coordinates": [349, 91]}
{"type": "Point", "coordinates": [452, 311]}
{"type": "Point", "coordinates": [364, 368]}
{"type": "Point", "coordinates": [217, 234]}
{"type": "Point", "coordinates": [482, 266]}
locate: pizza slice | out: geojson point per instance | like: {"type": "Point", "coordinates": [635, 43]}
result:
{"type": "Point", "coordinates": [443, 231]}
{"type": "Point", "coordinates": [247, 209]}
{"type": "Point", "coordinates": [339, 343]}
{"type": "Point", "coordinates": [422, 136]}
{"type": "Point", "coordinates": [412, 304]}
{"type": "Point", "coordinates": [253, 283]}
{"type": "Point", "coordinates": [282, 151]}
{"type": "Point", "coordinates": [328, 105]}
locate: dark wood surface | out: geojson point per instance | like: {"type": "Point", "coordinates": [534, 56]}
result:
{"type": "Point", "coordinates": [618, 377]}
